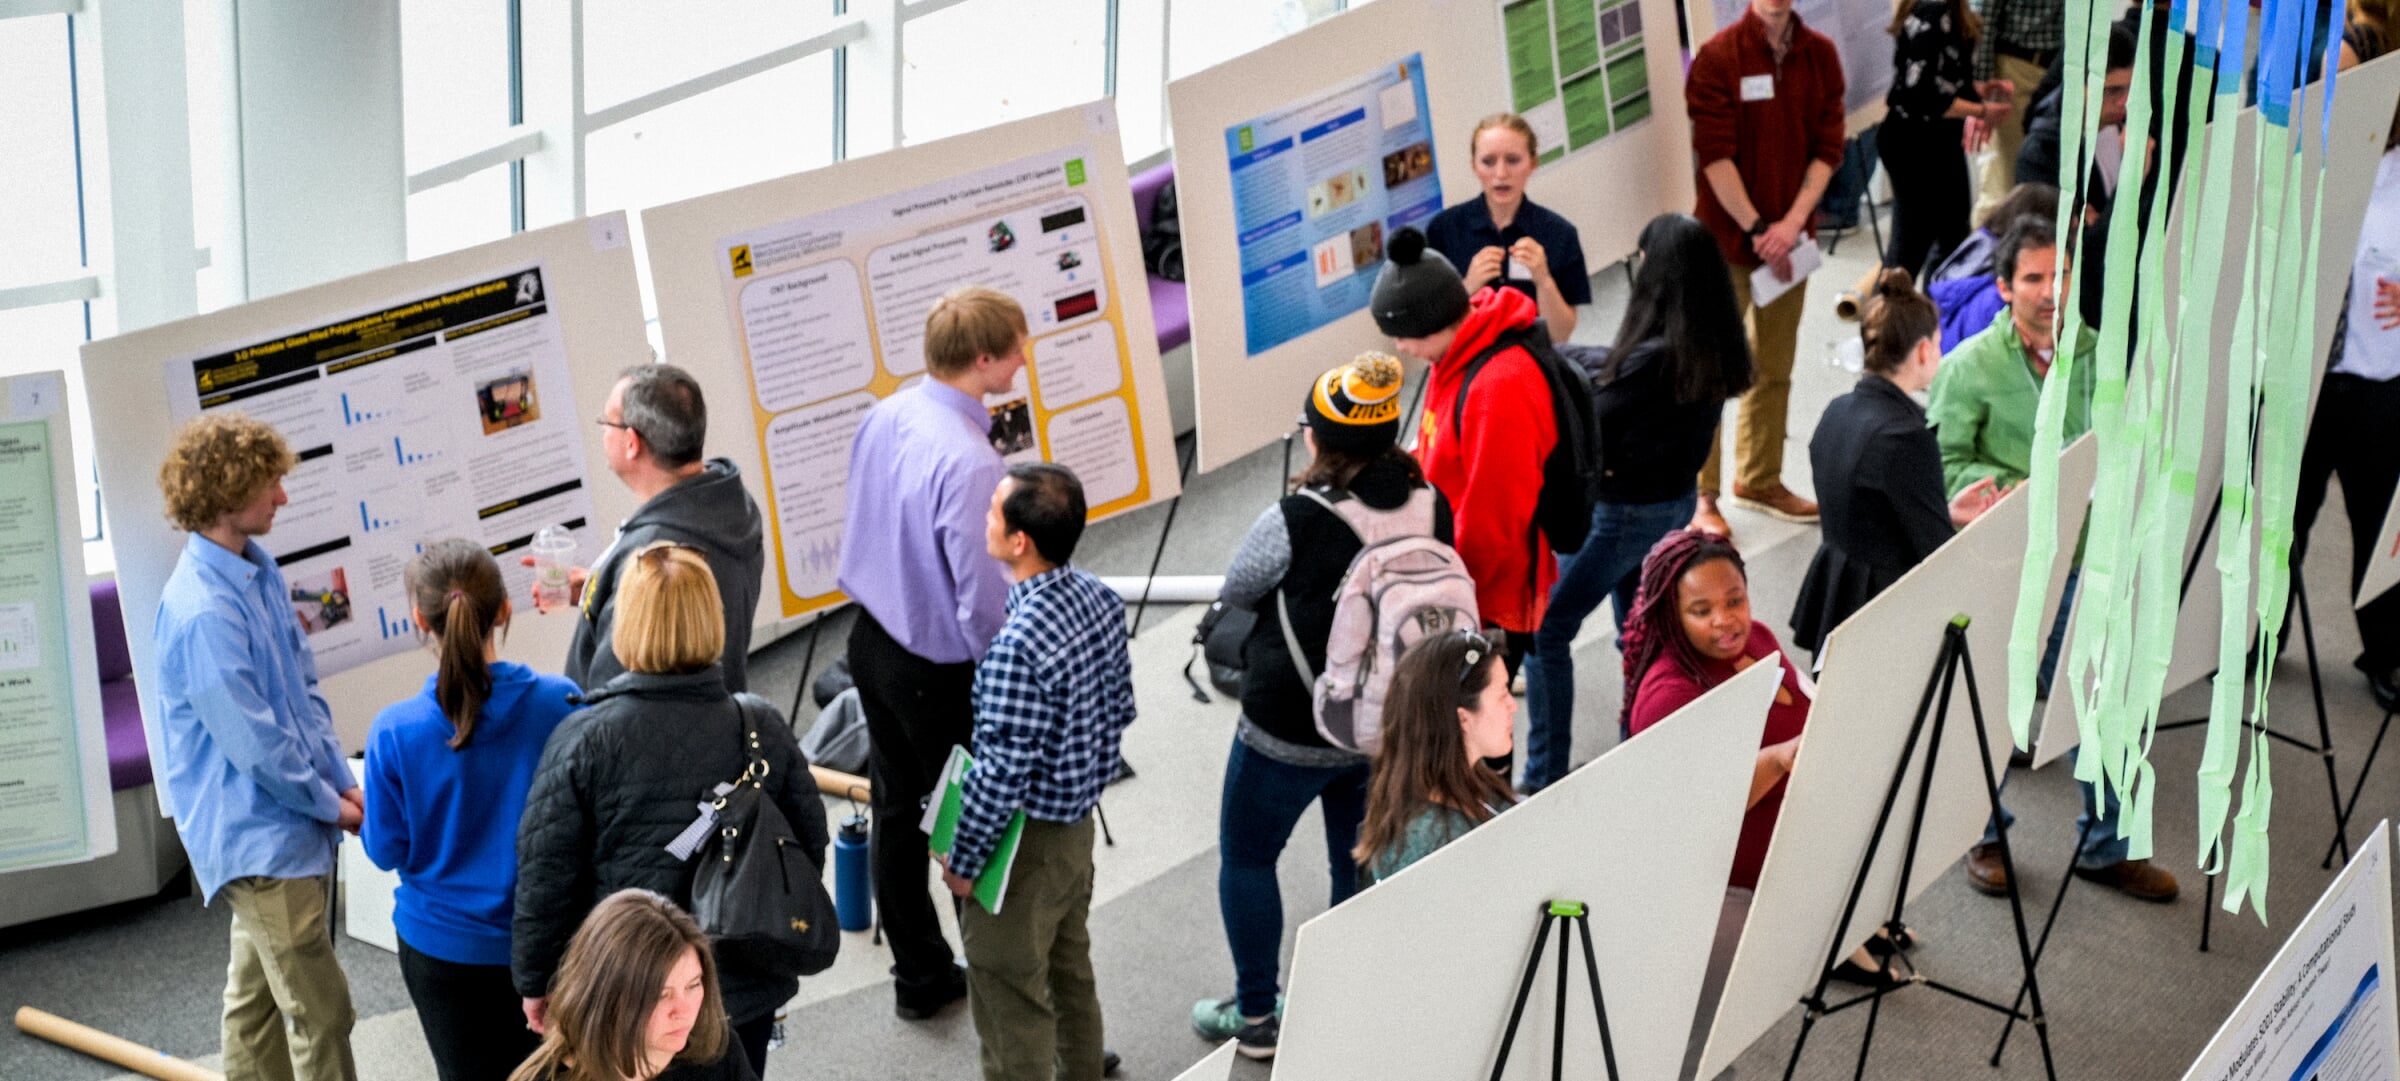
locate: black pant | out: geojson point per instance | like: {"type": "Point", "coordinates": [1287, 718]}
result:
{"type": "Point", "coordinates": [2351, 437]}
{"type": "Point", "coordinates": [916, 710]}
{"type": "Point", "coordinates": [472, 1017]}
{"type": "Point", "coordinates": [753, 1036]}
{"type": "Point", "coordinates": [1931, 197]}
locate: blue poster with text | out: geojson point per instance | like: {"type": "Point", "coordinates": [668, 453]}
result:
{"type": "Point", "coordinates": [1316, 189]}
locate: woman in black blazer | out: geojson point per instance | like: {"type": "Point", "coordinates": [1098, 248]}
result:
{"type": "Point", "coordinates": [1878, 469]}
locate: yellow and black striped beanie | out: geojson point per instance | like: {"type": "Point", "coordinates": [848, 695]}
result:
{"type": "Point", "coordinates": [1355, 408]}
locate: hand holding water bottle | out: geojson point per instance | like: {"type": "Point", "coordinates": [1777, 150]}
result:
{"type": "Point", "coordinates": [557, 581]}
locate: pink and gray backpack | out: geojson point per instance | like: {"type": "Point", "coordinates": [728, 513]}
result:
{"type": "Point", "coordinates": [1404, 586]}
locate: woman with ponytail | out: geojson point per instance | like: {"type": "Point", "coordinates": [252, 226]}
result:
{"type": "Point", "coordinates": [1879, 469]}
{"type": "Point", "coordinates": [447, 774]}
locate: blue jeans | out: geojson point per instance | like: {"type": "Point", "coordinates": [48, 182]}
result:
{"type": "Point", "coordinates": [1848, 184]}
{"type": "Point", "coordinates": [1263, 800]}
{"type": "Point", "coordinates": [1609, 565]}
{"type": "Point", "coordinates": [2102, 847]}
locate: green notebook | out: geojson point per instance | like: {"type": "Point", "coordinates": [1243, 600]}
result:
{"type": "Point", "coordinates": [941, 829]}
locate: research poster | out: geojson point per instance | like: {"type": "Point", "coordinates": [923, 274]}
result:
{"type": "Point", "coordinates": [53, 766]}
{"type": "Point", "coordinates": [1576, 69]}
{"type": "Point", "coordinates": [449, 414]}
{"type": "Point", "coordinates": [830, 310]}
{"type": "Point", "coordinates": [1316, 189]}
{"type": "Point", "coordinates": [2323, 1008]}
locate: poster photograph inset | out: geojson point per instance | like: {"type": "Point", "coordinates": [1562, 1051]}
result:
{"type": "Point", "coordinates": [830, 313]}
{"type": "Point", "coordinates": [439, 415]}
{"type": "Point", "coordinates": [55, 804]}
{"type": "Point", "coordinates": [1577, 70]}
{"type": "Point", "coordinates": [1317, 187]}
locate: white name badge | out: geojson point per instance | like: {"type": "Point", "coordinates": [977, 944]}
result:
{"type": "Point", "coordinates": [1758, 87]}
{"type": "Point", "coordinates": [1519, 272]}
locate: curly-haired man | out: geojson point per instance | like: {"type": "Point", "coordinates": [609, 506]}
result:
{"type": "Point", "coordinates": [260, 789]}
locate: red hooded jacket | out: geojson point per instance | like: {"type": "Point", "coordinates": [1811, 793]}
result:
{"type": "Point", "coordinates": [1491, 471]}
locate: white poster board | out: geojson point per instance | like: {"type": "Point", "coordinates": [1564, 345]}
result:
{"type": "Point", "coordinates": [2383, 564]}
{"type": "Point", "coordinates": [1357, 1006]}
{"type": "Point", "coordinates": [1218, 1066]}
{"type": "Point", "coordinates": [805, 297]}
{"type": "Point", "coordinates": [2323, 1009]}
{"type": "Point", "coordinates": [1609, 190]}
{"type": "Point", "coordinates": [430, 399]}
{"type": "Point", "coordinates": [1877, 664]}
{"type": "Point", "coordinates": [55, 803]}
{"type": "Point", "coordinates": [2362, 115]}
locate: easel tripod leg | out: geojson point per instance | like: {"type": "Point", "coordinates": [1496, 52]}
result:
{"type": "Point", "coordinates": [2016, 898]}
{"type": "Point", "coordinates": [2042, 945]}
{"type": "Point", "coordinates": [2316, 686]}
{"type": "Point", "coordinates": [2351, 806]}
{"type": "Point", "coordinates": [1183, 474]}
{"type": "Point", "coordinates": [1516, 1013]}
{"type": "Point", "coordinates": [1591, 967]}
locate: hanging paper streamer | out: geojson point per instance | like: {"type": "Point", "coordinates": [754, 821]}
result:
{"type": "Point", "coordinates": [2154, 357]}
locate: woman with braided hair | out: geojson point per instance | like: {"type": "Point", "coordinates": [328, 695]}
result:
{"type": "Point", "coordinates": [1690, 630]}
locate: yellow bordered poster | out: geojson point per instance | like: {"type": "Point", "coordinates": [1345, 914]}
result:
{"type": "Point", "coordinates": [830, 309]}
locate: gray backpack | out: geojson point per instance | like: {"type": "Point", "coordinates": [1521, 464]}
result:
{"type": "Point", "coordinates": [1402, 587]}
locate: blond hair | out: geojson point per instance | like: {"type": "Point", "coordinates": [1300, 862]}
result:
{"type": "Point", "coordinates": [1512, 122]}
{"type": "Point", "coordinates": [668, 616]}
{"type": "Point", "coordinates": [219, 463]}
{"type": "Point", "coordinates": [608, 986]}
{"type": "Point", "coordinates": [968, 324]}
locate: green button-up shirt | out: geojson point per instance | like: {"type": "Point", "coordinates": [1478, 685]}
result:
{"type": "Point", "coordinates": [1983, 402]}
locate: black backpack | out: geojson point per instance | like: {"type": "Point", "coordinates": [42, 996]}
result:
{"type": "Point", "coordinates": [1571, 475]}
{"type": "Point", "coordinates": [755, 892]}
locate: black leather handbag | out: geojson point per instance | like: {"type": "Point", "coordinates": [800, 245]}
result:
{"type": "Point", "coordinates": [761, 901]}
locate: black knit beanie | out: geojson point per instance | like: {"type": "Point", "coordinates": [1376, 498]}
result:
{"type": "Point", "coordinates": [1355, 408]}
{"type": "Point", "coordinates": [1418, 294]}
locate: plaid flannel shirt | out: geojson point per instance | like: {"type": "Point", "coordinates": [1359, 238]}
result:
{"type": "Point", "coordinates": [2036, 25]}
{"type": "Point", "coordinates": [1052, 698]}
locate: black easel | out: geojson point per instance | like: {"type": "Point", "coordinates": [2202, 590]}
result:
{"type": "Point", "coordinates": [1183, 475]}
{"type": "Point", "coordinates": [808, 665]}
{"type": "Point", "coordinates": [1555, 912]}
{"type": "Point", "coordinates": [1866, 194]}
{"type": "Point", "coordinates": [2323, 748]}
{"type": "Point", "coordinates": [1947, 668]}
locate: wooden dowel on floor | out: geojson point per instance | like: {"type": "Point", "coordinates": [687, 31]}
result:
{"type": "Point", "coordinates": [834, 782]}
{"type": "Point", "coordinates": [107, 1048]}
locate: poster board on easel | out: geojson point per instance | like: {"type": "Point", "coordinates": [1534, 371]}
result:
{"type": "Point", "coordinates": [2323, 1007]}
{"type": "Point", "coordinates": [804, 299]}
{"type": "Point", "coordinates": [1871, 682]}
{"type": "Point", "coordinates": [1350, 1017]}
{"type": "Point", "coordinates": [1247, 270]}
{"type": "Point", "coordinates": [434, 398]}
{"type": "Point", "coordinates": [60, 808]}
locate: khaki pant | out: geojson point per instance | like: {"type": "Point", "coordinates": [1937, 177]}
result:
{"type": "Point", "coordinates": [1758, 428]}
{"type": "Point", "coordinates": [287, 1003]}
{"type": "Point", "coordinates": [2000, 173]}
{"type": "Point", "coordinates": [1029, 969]}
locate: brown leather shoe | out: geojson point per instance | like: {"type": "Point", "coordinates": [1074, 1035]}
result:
{"type": "Point", "coordinates": [2138, 879]}
{"type": "Point", "coordinates": [1776, 501]}
{"type": "Point", "coordinates": [1985, 872]}
{"type": "Point", "coordinates": [1707, 519]}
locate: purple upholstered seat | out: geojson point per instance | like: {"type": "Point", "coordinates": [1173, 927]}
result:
{"type": "Point", "coordinates": [1170, 303]}
{"type": "Point", "coordinates": [120, 706]}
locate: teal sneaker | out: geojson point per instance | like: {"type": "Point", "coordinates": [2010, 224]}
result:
{"type": "Point", "coordinates": [1220, 1019]}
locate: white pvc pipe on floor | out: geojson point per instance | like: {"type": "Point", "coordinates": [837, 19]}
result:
{"type": "Point", "coordinates": [1168, 588]}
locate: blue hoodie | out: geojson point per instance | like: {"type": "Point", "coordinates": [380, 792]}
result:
{"type": "Point", "coordinates": [447, 819]}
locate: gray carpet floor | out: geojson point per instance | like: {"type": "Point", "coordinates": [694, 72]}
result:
{"type": "Point", "coordinates": [2128, 993]}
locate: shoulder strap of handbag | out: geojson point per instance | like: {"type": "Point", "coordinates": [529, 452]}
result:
{"type": "Point", "coordinates": [754, 760]}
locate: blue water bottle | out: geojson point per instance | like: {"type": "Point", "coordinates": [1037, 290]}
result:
{"type": "Point", "coordinates": [853, 898]}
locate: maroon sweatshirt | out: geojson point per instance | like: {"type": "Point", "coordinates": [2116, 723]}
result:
{"type": "Point", "coordinates": [1790, 115]}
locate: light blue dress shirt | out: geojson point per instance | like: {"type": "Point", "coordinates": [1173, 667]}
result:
{"type": "Point", "coordinates": [922, 472]}
{"type": "Point", "coordinates": [253, 767]}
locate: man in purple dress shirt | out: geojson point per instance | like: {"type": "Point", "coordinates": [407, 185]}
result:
{"type": "Point", "coordinates": [922, 473]}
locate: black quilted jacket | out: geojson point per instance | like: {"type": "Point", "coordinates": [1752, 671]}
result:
{"type": "Point", "coordinates": [617, 782]}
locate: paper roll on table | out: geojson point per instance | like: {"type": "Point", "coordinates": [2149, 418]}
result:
{"type": "Point", "coordinates": [107, 1048]}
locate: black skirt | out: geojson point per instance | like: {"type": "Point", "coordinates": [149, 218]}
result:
{"type": "Point", "coordinates": [1836, 586]}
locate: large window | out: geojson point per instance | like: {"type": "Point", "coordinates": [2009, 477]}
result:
{"type": "Point", "coordinates": [636, 47]}
{"type": "Point", "coordinates": [457, 96]}
{"type": "Point", "coordinates": [984, 61]}
{"type": "Point", "coordinates": [45, 318]}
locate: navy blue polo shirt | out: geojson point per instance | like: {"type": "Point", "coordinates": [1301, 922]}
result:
{"type": "Point", "coordinates": [1460, 231]}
